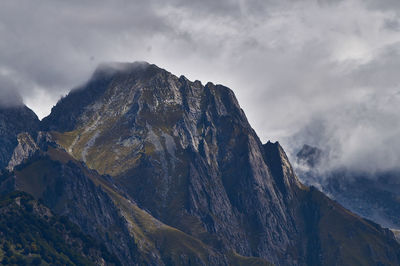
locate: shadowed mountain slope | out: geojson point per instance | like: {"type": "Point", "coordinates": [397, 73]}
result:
{"type": "Point", "coordinates": [32, 235]}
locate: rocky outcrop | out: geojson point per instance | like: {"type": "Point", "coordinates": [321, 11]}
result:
{"type": "Point", "coordinates": [281, 169]}
{"type": "Point", "coordinates": [26, 148]}
{"type": "Point", "coordinates": [13, 121]}
{"type": "Point", "coordinates": [396, 234]}
{"type": "Point", "coordinates": [186, 153]}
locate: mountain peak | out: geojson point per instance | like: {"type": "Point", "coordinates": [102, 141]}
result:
{"type": "Point", "coordinates": [113, 67]}
{"type": "Point", "coordinates": [281, 168]}
{"type": "Point", "coordinates": [137, 68]}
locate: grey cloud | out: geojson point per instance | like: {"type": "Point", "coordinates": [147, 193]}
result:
{"type": "Point", "coordinates": [9, 95]}
{"type": "Point", "coordinates": [391, 5]}
{"type": "Point", "coordinates": [392, 24]}
{"type": "Point", "coordinates": [362, 134]}
{"type": "Point", "coordinates": [228, 7]}
{"type": "Point", "coordinates": [382, 72]}
{"type": "Point", "coordinates": [54, 45]}
{"type": "Point", "coordinates": [325, 66]}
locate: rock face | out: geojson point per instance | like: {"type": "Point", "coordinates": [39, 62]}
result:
{"type": "Point", "coordinates": [396, 234]}
{"type": "Point", "coordinates": [186, 153]}
{"type": "Point", "coordinates": [25, 149]}
{"type": "Point", "coordinates": [14, 120]}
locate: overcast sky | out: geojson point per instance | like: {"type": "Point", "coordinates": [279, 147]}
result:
{"type": "Point", "coordinates": [321, 72]}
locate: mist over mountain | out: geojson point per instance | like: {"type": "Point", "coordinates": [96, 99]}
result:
{"type": "Point", "coordinates": [373, 195]}
{"type": "Point", "coordinates": [361, 138]}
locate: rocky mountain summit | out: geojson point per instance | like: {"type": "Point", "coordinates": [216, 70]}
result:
{"type": "Point", "coordinates": [166, 171]}
{"type": "Point", "coordinates": [14, 120]}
